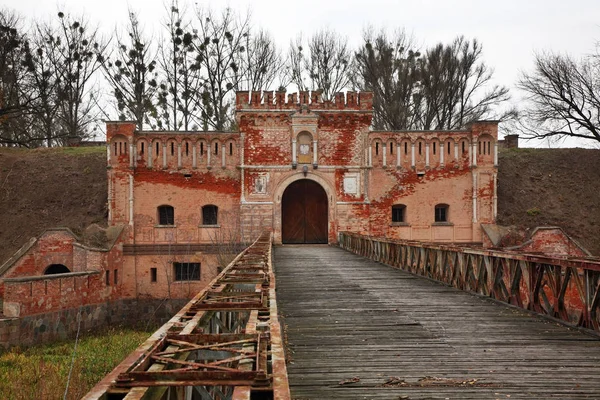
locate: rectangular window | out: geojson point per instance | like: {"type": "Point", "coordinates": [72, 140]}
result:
{"type": "Point", "coordinates": [115, 276]}
{"type": "Point", "coordinates": [152, 274]}
{"type": "Point", "coordinates": [107, 278]}
{"type": "Point", "coordinates": [441, 214]}
{"type": "Point", "coordinates": [187, 271]}
{"type": "Point", "coordinates": [398, 213]}
{"type": "Point", "coordinates": [166, 215]}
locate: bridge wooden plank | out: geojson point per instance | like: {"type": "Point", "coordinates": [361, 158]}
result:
{"type": "Point", "coordinates": [347, 316]}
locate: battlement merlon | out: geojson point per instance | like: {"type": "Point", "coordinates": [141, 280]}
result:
{"type": "Point", "coordinates": [269, 100]}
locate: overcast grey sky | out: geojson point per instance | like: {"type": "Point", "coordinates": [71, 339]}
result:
{"type": "Point", "coordinates": [510, 30]}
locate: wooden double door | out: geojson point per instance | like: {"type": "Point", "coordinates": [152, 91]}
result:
{"type": "Point", "coordinates": [304, 213]}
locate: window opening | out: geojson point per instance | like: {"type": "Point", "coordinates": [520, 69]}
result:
{"type": "Point", "coordinates": [172, 148]}
{"type": "Point", "coordinates": [157, 148]}
{"type": "Point", "coordinates": [489, 147]}
{"type": "Point", "coordinates": [405, 148]}
{"type": "Point", "coordinates": [448, 148]}
{"type": "Point", "coordinates": [230, 149]}
{"type": "Point", "coordinates": [116, 154]}
{"type": "Point", "coordinates": [441, 213]}
{"type": "Point", "coordinates": [420, 146]}
{"type": "Point", "coordinates": [107, 276]}
{"type": "Point", "coordinates": [376, 148]}
{"type": "Point", "coordinates": [56, 269]}
{"type": "Point", "coordinates": [187, 271]}
{"type": "Point", "coordinates": [398, 213]}
{"type": "Point", "coordinates": [434, 148]}
{"type": "Point", "coordinates": [166, 215]}
{"type": "Point", "coordinates": [209, 215]}
{"type": "Point", "coordinates": [216, 149]}
{"type": "Point", "coordinates": [463, 147]}
{"type": "Point", "coordinates": [201, 149]}
{"type": "Point", "coordinates": [142, 150]}
{"type": "Point", "coordinates": [391, 147]}
{"type": "Point", "coordinates": [115, 276]}
{"type": "Point", "coordinates": [153, 275]}
{"type": "Point", "coordinates": [187, 149]}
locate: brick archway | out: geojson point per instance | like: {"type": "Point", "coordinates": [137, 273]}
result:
{"type": "Point", "coordinates": [304, 216]}
{"type": "Point", "coordinates": [331, 201]}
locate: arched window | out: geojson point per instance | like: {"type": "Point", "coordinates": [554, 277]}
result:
{"type": "Point", "coordinates": [166, 215]}
{"type": "Point", "coordinates": [53, 269]}
{"type": "Point", "coordinates": [398, 213]}
{"type": "Point", "coordinates": [210, 215]}
{"type": "Point", "coordinates": [441, 213]}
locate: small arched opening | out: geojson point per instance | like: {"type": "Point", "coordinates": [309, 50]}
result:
{"type": "Point", "coordinates": [54, 269]}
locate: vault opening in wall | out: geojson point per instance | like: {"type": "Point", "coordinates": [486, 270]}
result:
{"type": "Point", "coordinates": [304, 213]}
{"type": "Point", "coordinates": [56, 269]}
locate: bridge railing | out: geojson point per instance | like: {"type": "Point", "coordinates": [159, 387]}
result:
{"type": "Point", "coordinates": [226, 343]}
{"type": "Point", "coordinates": [564, 288]}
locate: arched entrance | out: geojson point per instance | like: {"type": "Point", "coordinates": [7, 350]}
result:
{"type": "Point", "coordinates": [304, 210]}
{"type": "Point", "coordinates": [56, 269]}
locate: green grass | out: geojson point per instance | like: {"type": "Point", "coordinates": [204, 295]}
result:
{"type": "Point", "coordinates": [41, 372]}
{"type": "Point", "coordinates": [79, 150]}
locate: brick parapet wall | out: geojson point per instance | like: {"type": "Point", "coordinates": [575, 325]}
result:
{"type": "Point", "coordinates": [63, 324]}
{"type": "Point", "coordinates": [34, 295]}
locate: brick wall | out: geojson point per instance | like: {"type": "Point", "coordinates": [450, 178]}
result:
{"type": "Point", "coordinates": [63, 324]}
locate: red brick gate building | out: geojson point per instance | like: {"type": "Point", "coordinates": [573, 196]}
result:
{"type": "Point", "coordinates": [303, 168]}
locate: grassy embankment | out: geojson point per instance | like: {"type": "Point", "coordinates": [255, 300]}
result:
{"type": "Point", "coordinates": [42, 372]}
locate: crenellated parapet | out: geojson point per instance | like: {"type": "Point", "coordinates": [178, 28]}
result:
{"type": "Point", "coordinates": [281, 100]}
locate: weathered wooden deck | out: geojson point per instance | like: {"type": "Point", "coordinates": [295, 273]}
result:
{"type": "Point", "coordinates": [352, 319]}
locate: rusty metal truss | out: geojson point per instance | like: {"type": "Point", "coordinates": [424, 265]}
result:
{"type": "Point", "coordinates": [567, 289]}
{"type": "Point", "coordinates": [224, 344]}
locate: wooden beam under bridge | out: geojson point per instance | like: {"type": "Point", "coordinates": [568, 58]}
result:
{"type": "Point", "coordinates": [225, 343]}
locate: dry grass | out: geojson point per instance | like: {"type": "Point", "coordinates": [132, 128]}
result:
{"type": "Point", "coordinates": [42, 372]}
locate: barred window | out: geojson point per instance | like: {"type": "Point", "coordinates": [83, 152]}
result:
{"type": "Point", "coordinates": [441, 213]}
{"type": "Point", "coordinates": [398, 213]}
{"type": "Point", "coordinates": [166, 215]}
{"type": "Point", "coordinates": [186, 271]}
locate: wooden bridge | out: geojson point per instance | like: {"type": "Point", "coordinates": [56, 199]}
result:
{"type": "Point", "coordinates": [355, 328]}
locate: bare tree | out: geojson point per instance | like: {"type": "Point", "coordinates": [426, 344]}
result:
{"type": "Point", "coordinates": [390, 68]}
{"type": "Point", "coordinates": [456, 86]}
{"type": "Point", "coordinates": [75, 53]}
{"type": "Point", "coordinates": [131, 75]}
{"type": "Point", "coordinates": [263, 64]}
{"type": "Point", "coordinates": [326, 65]}
{"type": "Point", "coordinates": [44, 84]}
{"type": "Point", "coordinates": [219, 45]}
{"type": "Point", "coordinates": [181, 81]}
{"type": "Point", "coordinates": [15, 97]}
{"type": "Point", "coordinates": [564, 97]}
{"type": "Point", "coordinates": [445, 88]}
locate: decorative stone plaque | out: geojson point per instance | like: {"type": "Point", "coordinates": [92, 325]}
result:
{"type": "Point", "coordinates": [260, 184]}
{"type": "Point", "coordinates": [351, 184]}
